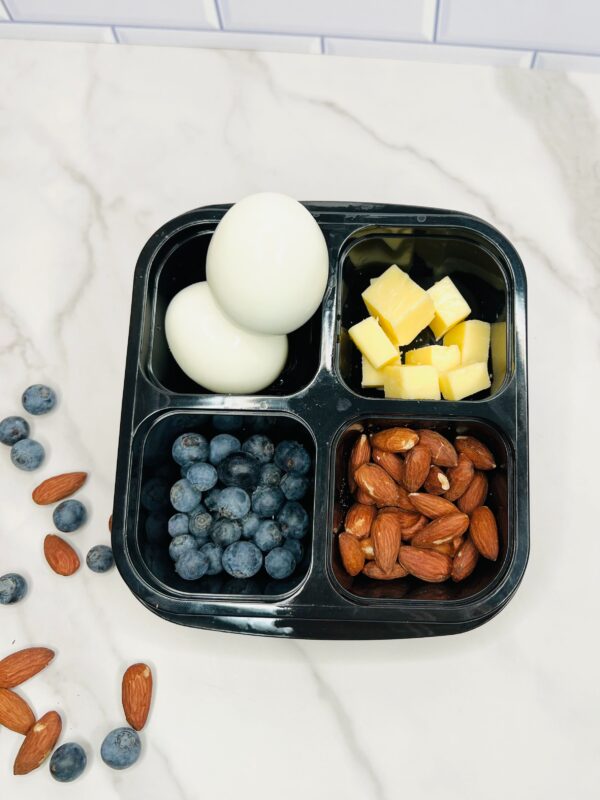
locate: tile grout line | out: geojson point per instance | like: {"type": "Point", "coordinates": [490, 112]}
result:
{"type": "Point", "coordinates": [219, 14]}
{"type": "Point", "coordinates": [436, 19]}
{"type": "Point", "coordinates": [7, 9]}
{"type": "Point", "coordinates": [533, 59]}
{"type": "Point", "coordinates": [115, 34]}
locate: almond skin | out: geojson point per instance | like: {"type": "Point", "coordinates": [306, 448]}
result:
{"type": "Point", "coordinates": [110, 523]}
{"type": "Point", "coordinates": [386, 541]}
{"type": "Point", "coordinates": [443, 529]}
{"type": "Point", "coordinates": [395, 440]}
{"type": "Point", "coordinates": [38, 743]}
{"type": "Point", "coordinates": [460, 477]}
{"type": "Point", "coordinates": [430, 505]}
{"type": "Point", "coordinates": [409, 532]}
{"type": "Point", "coordinates": [363, 498]}
{"type": "Point", "coordinates": [425, 564]}
{"type": "Point", "coordinates": [61, 557]}
{"type": "Point", "coordinates": [484, 532]}
{"type": "Point", "coordinates": [351, 552]}
{"type": "Point", "coordinates": [378, 484]}
{"type": "Point", "coordinates": [475, 495]}
{"type": "Point", "coordinates": [371, 570]}
{"type": "Point", "coordinates": [406, 519]}
{"type": "Point", "coordinates": [15, 714]}
{"type": "Point", "coordinates": [22, 665]}
{"type": "Point", "coordinates": [443, 453]}
{"type": "Point", "coordinates": [137, 694]}
{"type": "Point", "coordinates": [465, 560]}
{"type": "Point", "coordinates": [416, 467]}
{"type": "Point", "coordinates": [57, 488]}
{"type": "Point", "coordinates": [390, 462]}
{"type": "Point", "coordinates": [436, 481]}
{"type": "Point", "coordinates": [360, 454]}
{"type": "Point", "coordinates": [359, 519]}
{"type": "Point", "coordinates": [480, 455]}
{"type": "Point", "coordinates": [366, 545]}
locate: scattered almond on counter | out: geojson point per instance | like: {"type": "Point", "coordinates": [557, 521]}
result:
{"type": "Point", "coordinates": [19, 667]}
{"type": "Point", "coordinates": [61, 557]}
{"type": "Point", "coordinates": [38, 744]}
{"type": "Point", "coordinates": [15, 713]}
{"type": "Point", "coordinates": [137, 695]}
{"type": "Point", "coordinates": [58, 488]}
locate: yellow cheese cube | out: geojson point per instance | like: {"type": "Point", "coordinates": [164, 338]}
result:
{"type": "Point", "coordinates": [436, 355]}
{"type": "Point", "coordinates": [373, 343]}
{"type": "Point", "coordinates": [498, 341]}
{"type": "Point", "coordinates": [373, 378]}
{"type": "Point", "coordinates": [464, 381]}
{"type": "Point", "coordinates": [473, 340]}
{"type": "Point", "coordinates": [450, 307]}
{"type": "Point", "coordinates": [411, 382]}
{"type": "Point", "coordinates": [402, 308]}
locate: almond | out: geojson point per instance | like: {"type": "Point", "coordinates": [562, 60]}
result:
{"type": "Point", "coordinates": [386, 540]}
{"type": "Point", "coordinates": [351, 552]}
{"type": "Point", "coordinates": [406, 519]}
{"type": "Point", "coordinates": [390, 462]}
{"type": "Point", "coordinates": [363, 498]}
{"type": "Point", "coordinates": [457, 543]}
{"type": "Point", "coordinates": [371, 570]}
{"type": "Point", "coordinates": [460, 477]}
{"type": "Point", "coordinates": [359, 520]}
{"type": "Point", "coordinates": [412, 530]}
{"type": "Point", "coordinates": [475, 494]}
{"type": "Point", "coordinates": [15, 714]}
{"type": "Point", "coordinates": [110, 523]}
{"type": "Point", "coordinates": [480, 455]}
{"type": "Point", "coordinates": [447, 548]}
{"type": "Point", "coordinates": [378, 484]}
{"type": "Point", "coordinates": [426, 564]}
{"type": "Point", "coordinates": [484, 532]}
{"type": "Point", "coordinates": [443, 529]}
{"type": "Point", "coordinates": [395, 440]}
{"type": "Point", "coordinates": [430, 505]}
{"type": "Point", "coordinates": [436, 482]}
{"type": "Point", "coordinates": [416, 467]}
{"type": "Point", "coordinates": [442, 452]}
{"type": "Point", "coordinates": [465, 560]}
{"type": "Point", "coordinates": [137, 695]}
{"type": "Point", "coordinates": [360, 454]}
{"type": "Point", "coordinates": [57, 488]}
{"type": "Point", "coordinates": [61, 557]}
{"type": "Point", "coordinates": [22, 665]}
{"type": "Point", "coordinates": [38, 743]}
{"type": "Point", "coordinates": [366, 545]}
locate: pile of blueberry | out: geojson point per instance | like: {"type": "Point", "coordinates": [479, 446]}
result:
{"type": "Point", "coordinates": [27, 453]}
{"type": "Point", "coordinates": [237, 506]}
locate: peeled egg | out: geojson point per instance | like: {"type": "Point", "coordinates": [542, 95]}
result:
{"type": "Point", "coordinates": [214, 351]}
{"type": "Point", "coordinates": [267, 263]}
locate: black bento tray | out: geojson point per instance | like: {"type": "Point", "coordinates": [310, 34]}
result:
{"type": "Point", "coordinates": [318, 400]}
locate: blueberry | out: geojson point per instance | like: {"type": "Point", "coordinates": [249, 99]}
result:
{"type": "Point", "coordinates": [240, 469]}
{"type": "Point", "coordinates": [27, 454]}
{"type": "Point", "coordinates": [270, 475]}
{"type": "Point", "coordinates": [267, 501]}
{"type": "Point", "coordinates": [292, 457]}
{"type": "Point", "coordinates": [155, 494]}
{"type": "Point", "coordinates": [241, 586]}
{"type": "Point", "coordinates": [226, 531]}
{"type": "Point", "coordinates": [189, 447]}
{"type": "Point", "coordinates": [214, 554]}
{"type": "Point", "coordinates": [250, 525]}
{"type": "Point", "coordinates": [227, 422]}
{"type": "Point", "coordinates": [221, 446]}
{"type": "Point", "coordinates": [100, 558]}
{"type": "Point", "coordinates": [13, 429]}
{"type": "Point", "coordinates": [280, 563]}
{"type": "Point", "coordinates": [13, 588]}
{"type": "Point", "coordinates": [295, 547]}
{"type": "Point", "coordinates": [156, 527]}
{"type": "Point", "coordinates": [68, 762]}
{"type": "Point", "coordinates": [200, 521]}
{"type": "Point", "coordinates": [184, 497]}
{"type": "Point", "coordinates": [268, 535]}
{"type": "Point", "coordinates": [293, 520]}
{"type": "Point", "coordinates": [294, 486]}
{"type": "Point", "coordinates": [259, 446]}
{"type": "Point", "coordinates": [192, 565]}
{"type": "Point", "coordinates": [69, 515]}
{"type": "Point", "coordinates": [38, 399]}
{"type": "Point", "coordinates": [179, 523]}
{"type": "Point", "coordinates": [211, 500]}
{"type": "Point", "coordinates": [234, 503]}
{"type": "Point", "coordinates": [121, 748]}
{"type": "Point", "coordinates": [242, 560]}
{"type": "Point", "coordinates": [181, 544]}
{"type": "Point", "coordinates": [202, 476]}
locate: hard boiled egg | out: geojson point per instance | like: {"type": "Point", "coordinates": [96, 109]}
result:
{"type": "Point", "coordinates": [267, 263]}
{"type": "Point", "coordinates": [214, 351]}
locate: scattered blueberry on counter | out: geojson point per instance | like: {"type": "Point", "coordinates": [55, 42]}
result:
{"type": "Point", "coordinates": [38, 399]}
{"type": "Point", "coordinates": [121, 748]}
{"type": "Point", "coordinates": [13, 588]}
{"type": "Point", "coordinates": [13, 429]}
{"type": "Point", "coordinates": [27, 454]}
{"type": "Point", "coordinates": [68, 762]}
{"type": "Point", "coordinates": [100, 558]}
{"type": "Point", "coordinates": [69, 515]}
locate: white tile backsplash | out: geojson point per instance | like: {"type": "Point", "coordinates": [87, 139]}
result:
{"type": "Point", "coordinates": [220, 40]}
{"type": "Point", "coordinates": [3, 14]}
{"type": "Point", "coordinates": [59, 33]}
{"type": "Point", "coordinates": [567, 62]}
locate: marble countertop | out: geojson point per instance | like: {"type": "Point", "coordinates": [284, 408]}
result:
{"type": "Point", "coordinates": [101, 145]}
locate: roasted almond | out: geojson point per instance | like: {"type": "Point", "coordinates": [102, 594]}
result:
{"type": "Point", "coordinates": [447, 548]}
{"type": "Point", "coordinates": [15, 714]}
{"type": "Point", "coordinates": [360, 454]}
{"type": "Point", "coordinates": [410, 531]}
{"type": "Point", "coordinates": [38, 744]}
{"type": "Point", "coordinates": [61, 557]}
{"type": "Point", "coordinates": [416, 467]}
{"type": "Point", "coordinates": [18, 667]}
{"type": "Point", "coordinates": [480, 455]}
{"type": "Point", "coordinates": [110, 523]}
{"type": "Point", "coordinates": [436, 481]}
{"type": "Point", "coordinates": [430, 505]}
{"type": "Point", "coordinates": [460, 477]}
{"type": "Point", "coordinates": [359, 519]}
{"type": "Point", "coordinates": [406, 519]}
{"type": "Point", "coordinates": [379, 485]}
{"type": "Point", "coordinates": [57, 488]}
{"type": "Point", "coordinates": [442, 452]}
{"type": "Point", "coordinates": [390, 462]}
{"type": "Point", "coordinates": [363, 498]}
{"type": "Point", "coordinates": [371, 570]}
{"type": "Point", "coordinates": [366, 545]}
{"type": "Point", "coordinates": [443, 529]}
{"type": "Point", "coordinates": [457, 543]}
{"type": "Point", "coordinates": [137, 694]}
{"type": "Point", "coordinates": [484, 532]}
{"type": "Point", "coordinates": [465, 560]}
{"type": "Point", "coordinates": [425, 564]}
{"type": "Point", "coordinates": [395, 440]}
{"type": "Point", "coordinates": [386, 540]}
{"type": "Point", "coordinates": [476, 493]}
{"type": "Point", "coordinates": [351, 552]}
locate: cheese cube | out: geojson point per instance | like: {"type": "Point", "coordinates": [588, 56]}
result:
{"type": "Point", "coordinates": [373, 378]}
{"type": "Point", "coordinates": [412, 382]}
{"type": "Point", "coordinates": [402, 308]}
{"type": "Point", "coordinates": [464, 381]}
{"type": "Point", "coordinates": [498, 341]}
{"type": "Point", "coordinates": [373, 343]}
{"type": "Point", "coordinates": [450, 307]}
{"type": "Point", "coordinates": [473, 340]}
{"type": "Point", "coordinates": [438, 356]}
